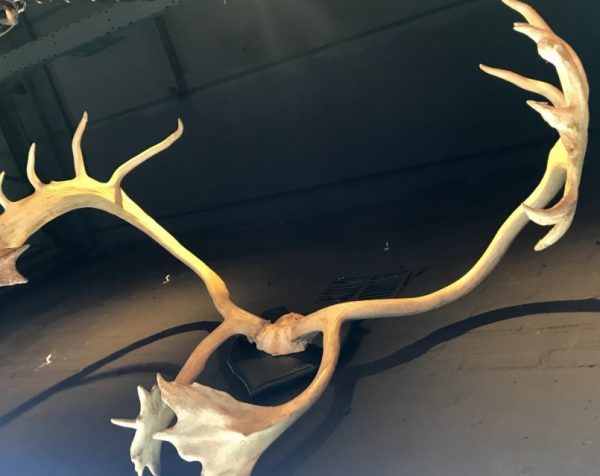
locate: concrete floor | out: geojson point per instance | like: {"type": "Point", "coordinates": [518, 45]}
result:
{"type": "Point", "coordinates": [504, 382]}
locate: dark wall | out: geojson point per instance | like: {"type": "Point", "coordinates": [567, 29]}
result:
{"type": "Point", "coordinates": [297, 108]}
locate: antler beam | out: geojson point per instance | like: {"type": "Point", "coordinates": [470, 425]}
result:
{"type": "Point", "coordinates": [194, 404]}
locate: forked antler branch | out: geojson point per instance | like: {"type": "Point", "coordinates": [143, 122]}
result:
{"type": "Point", "coordinates": [228, 436]}
{"type": "Point", "coordinates": [22, 218]}
{"type": "Point", "coordinates": [568, 114]}
{"type": "Point", "coordinates": [197, 440]}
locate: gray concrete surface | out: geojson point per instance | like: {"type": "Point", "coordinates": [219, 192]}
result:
{"type": "Point", "coordinates": [502, 383]}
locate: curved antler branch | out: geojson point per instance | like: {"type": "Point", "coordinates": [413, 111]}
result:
{"type": "Point", "coordinates": [24, 217]}
{"type": "Point", "coordinates": [31, 174]}
{"type": "Point", "coordinates": [132, 163]}
{"type": "Point", "coordinates": [528, 12]}
{"type": "Point", "coordinates": [78, 161]}
{"type": "Point", "coordinates": [124, 169]}
{"type": "Point", "coordinates": [4, 201]}
{"type": "Point", "coordinates": [549, 91]}
{"type": "Point", "coordinates": [155, 416]}
{"type": "Point", "coordinates": [228, 436]}
{"type": "Point", "coordinates": [569, 115]}
{"type": "Point", "coordinates": [550, 184]}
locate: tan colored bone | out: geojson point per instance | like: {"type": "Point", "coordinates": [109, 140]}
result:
{"type": "Point", "coordinates": [568, 114]}
{"type": "Point", "coordinates": [8, 266]}
{"type": "Point", "coordinates": [228, 436]}
{"type": "Point", "coordinates": [564, 169]}
{"type": "Point", "coordinates": [154, 417]}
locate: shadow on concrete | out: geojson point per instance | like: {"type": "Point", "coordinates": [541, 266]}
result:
{"type": "Point", "coordinates": [84, 376]}
{"type": "Point", "coordinates": [343, 383]}
{"type": "Point", "coordinates": [346, 377]}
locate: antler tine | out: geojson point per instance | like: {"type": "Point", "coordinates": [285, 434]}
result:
{"type": "Point", "coordinates": [569, 116]}
{"type": "Point", "coordinates": [132, 163]}
{"type": "Point", "coordinates": [228, 436]}
{"type": "Point", "coordinates": [548, 42]}
{"type": "Point", "coordinates": [4, 201]}
{"type": "Point", "coordinates": [125, 423]}
{"type": "Point", "coordinates": [554, 50]}
{"type": "Point", "coordinates": [78, 161]}
{"type": "Point", "coordinates": [533, 17]}
{"type": "Point", "coordinates": [549, 91]}
{"type": "Point", "coordinates": [555, 233]}
{"type": "Point", "coordinates": [559, 118]}
{"type": "Point", "coordinates": [49, 202]}
{"type": "Point", "coordinates": [154, 416]}
{"type": "Point", "coordinates": [31, 175]}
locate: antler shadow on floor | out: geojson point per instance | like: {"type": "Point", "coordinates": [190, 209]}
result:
{"type": "Point", "coordinates": [343, 384]}
{"type": "Point", "coordinates": [347, 376]}
{"type": "Point", "coordinates": [87, 375]}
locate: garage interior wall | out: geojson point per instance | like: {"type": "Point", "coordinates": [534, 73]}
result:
{"type": "Point", "coordinates": [292, 109]}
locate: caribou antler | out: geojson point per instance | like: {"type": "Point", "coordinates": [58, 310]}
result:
{"type": "Point", "coordinates": [22, 218]}
{"type": "Point", "coordinates": [242, 429]}
{"type": "Point", "coordinates": [569, 115]}
{"type": "Point", "coordinates": [228, 436]}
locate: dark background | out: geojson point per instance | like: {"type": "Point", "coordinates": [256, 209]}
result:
{"type": "Point", "coordinates": [292, 109]}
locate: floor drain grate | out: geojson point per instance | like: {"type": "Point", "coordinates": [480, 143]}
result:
{"type": "Point", "coordinates": [380, 286]}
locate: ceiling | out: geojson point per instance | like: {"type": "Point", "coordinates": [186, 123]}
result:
{"type": "Point", "coordinates": [291, 109]}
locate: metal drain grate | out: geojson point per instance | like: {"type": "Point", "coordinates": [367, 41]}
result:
{"type": "Point", "coordinates": [343, 289]}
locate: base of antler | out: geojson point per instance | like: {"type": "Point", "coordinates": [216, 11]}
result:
{"type": "Point", "coordinates": [8, 266]}
{"type": "Point", "coordinates": [261, 374]}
